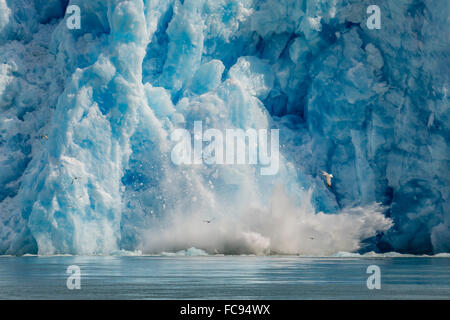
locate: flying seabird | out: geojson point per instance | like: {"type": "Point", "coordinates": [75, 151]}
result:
{"type": "Point", "coordinates": [328, 176]}
{"type": "Point", "coordinates": [208, 221]}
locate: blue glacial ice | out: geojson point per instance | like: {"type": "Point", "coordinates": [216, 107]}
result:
{"type": "Point", "coordinates": [86, 117]}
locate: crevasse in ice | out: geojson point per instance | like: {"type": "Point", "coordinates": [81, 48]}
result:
{"type": "Point", "coordinates": [86, 117]}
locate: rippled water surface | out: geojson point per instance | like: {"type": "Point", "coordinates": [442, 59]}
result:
{"type": "Point", "coordinates": [229, 277]}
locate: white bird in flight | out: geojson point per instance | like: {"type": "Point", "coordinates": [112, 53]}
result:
{"type": "Point", "coordinates": [328, 176]}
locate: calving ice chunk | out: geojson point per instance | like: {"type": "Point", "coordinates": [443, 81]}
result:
{"type": "Point", "coordinates": [238, 147]}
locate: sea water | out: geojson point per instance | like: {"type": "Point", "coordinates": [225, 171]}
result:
{"type": "Point", "coordinates": [223, 277]}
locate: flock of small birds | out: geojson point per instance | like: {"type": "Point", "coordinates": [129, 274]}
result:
{"type": "Point", "coordinates": [45, 136]}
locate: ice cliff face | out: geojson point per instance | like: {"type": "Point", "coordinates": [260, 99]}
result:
{"type": "Point", "coordinates": [86, 115]}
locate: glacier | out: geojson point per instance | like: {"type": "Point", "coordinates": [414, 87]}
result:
{"type": "Point", "coordinates": [86, 115]}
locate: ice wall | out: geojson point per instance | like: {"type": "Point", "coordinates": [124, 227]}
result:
{"type": "Point", "coordinates": [86, 115]}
